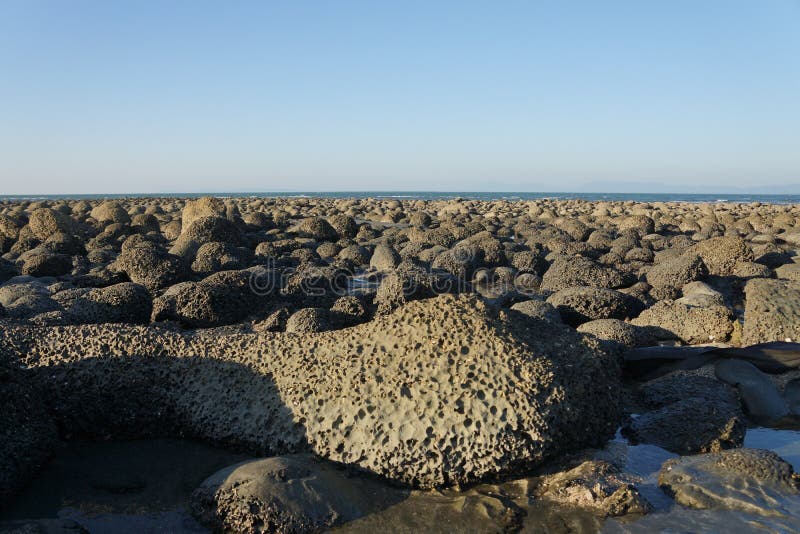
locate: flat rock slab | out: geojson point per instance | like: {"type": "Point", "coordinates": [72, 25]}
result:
{"type": "Point", "coordinates": [772, 311]}
{"type": "Point", "coordinates": [442, 391]}
{"type": "Point", "coordinates": [756, 481]}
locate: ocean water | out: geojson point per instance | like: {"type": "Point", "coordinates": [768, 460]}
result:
{"type": "Point", "coordinates": [448, 195]}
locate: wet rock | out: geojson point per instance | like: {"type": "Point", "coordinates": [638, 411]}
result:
{"type": "Point", "coordinates": [689, 426]}
{"type": "Point", "coordinates": [594, 485]}
{"type": "Point", "coordinates": [680, 385]}
{"type": "Point", "coordinates": [578, 305]}
{"type": "Point", "coordinates": [295, 493]}
{"type": "Point", "coordinates": [759, 394]}
{"type": "Point", "coordinates": [750, 480]}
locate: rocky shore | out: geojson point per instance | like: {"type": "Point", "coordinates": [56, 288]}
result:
{"type": "Point", "coordinates": [409, 363]}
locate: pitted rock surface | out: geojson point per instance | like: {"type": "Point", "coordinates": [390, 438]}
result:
{"type": "Point", "coordinates": [439, 392]}
{"type": "Point", "coordinates": [772, 311]}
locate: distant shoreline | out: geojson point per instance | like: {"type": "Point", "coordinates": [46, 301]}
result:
{"type": "Point", "coordinates": [444, 195]}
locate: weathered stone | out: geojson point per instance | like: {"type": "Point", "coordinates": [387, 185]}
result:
{"type": "Point", "coordinates": [443, 391]}
{"type": "Point", "coordinates": [772, 311]}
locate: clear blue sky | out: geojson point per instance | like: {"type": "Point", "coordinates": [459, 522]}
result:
{"type": "Point", "coordinates": [165, 96]}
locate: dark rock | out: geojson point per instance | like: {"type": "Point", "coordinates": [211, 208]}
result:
{"type": "Point", "coordinates": [578, 305]}
{"type": "Point", "coordinates": [689, 426]}
{"type": "Point", "coordinates": [579, 271]}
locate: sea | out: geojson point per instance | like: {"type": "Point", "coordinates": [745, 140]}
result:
{"type": "Point", "coordinates": [446, 195]}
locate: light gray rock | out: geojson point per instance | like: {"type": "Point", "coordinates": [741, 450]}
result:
{"type": "Point", "coordinates": [772, 311]}
{"type": "Point", "coordinates": [750, 480]}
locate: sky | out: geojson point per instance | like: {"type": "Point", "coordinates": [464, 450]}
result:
{"type": "Point", "coordinates": [192, 96]}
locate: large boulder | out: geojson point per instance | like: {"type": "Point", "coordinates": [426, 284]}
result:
{"type": "Point", "coordinates": [318, 228]}
{"type": "Point", "coordinates": [721, 254]}
{"type": "Point", "coordinates": [669, 276]}
{"type": "Point", "coordinates": [47, 264]}
{"type": "Point", "coordinates": [125, 302]}
{"type": "Point", "coordinates": [442, 391]}
{"type": "Point", "coordinates": [292, 493]}
{"type": "Point", "coordinates": [151, 267]}
{"type": "Point", "coordinates": [44, 222]}
{"type": "Point", "coordinates": [207, 207]}
{"type": "Point", "coordinates": [110, 212]}
{"type": "Point", "coordinates": [384, 258]}
{"type": "Point", "coordinates": [772, 311]}
{"type": "Point", "coordinates": [219, 299]}
{"type": "Point", "coordinates": [689, 323]}
{"type": "Point", "coordinates": [580, 271]}
{"type": "Point", "coordinates": [578, 305]}
{"type": "Point", "coordinates": [690, 426]}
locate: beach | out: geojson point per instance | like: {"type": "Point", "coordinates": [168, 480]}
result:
{"type": "Point", "coordinates": [492, 365]}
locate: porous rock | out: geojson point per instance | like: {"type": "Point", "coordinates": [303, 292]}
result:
{"type": "Point", "coordinates": [772, 311]}
{"type": "Point", "coordinates": [578, 305]}
{"type": "Point", "coordinates": [150, 267]}
{"type": "Point", "coordinates": [442, 391]}
{"type": "Point", "coordinates": [688, 323]}
{"type": "Point", "coordinates": [579, 271]}
{"type": "Point", "coordinates": [689, 426]}
{"type": "Point", "coordinates": [721, 254]}
{"type": "Point", "coordinates": [669, 276]}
